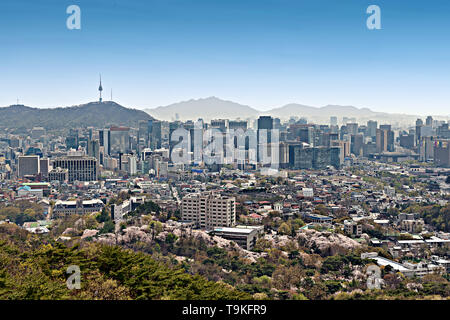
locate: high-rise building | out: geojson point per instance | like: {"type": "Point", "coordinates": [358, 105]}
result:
{"type": "Point", "coordinates": [407, 141]}
{"type": "Point", "coordinates": [306, 134]}
{"type": "Point", "coordinates": [44, 167]}
{"type": "Point", "coordinates": [372, 127]}
{"type": "Point", "coordinates": [220, 124]}
{"type": "Point", "coordinates": [265, 126]}
{"type": "Point", "coordinates": [28, 166]}
{"type": "Point", "coordinates": [155, 134]}
{"type": "Point", "coordinates": [443, 131]}
{"type": "Point", "coordinates": [333, 121]}
{"type": "Point", "coordinates": [80, 168]}
{"type": "Point", "coordinates": [419, 125]}
{"type": "Point", "coordinates": [357, 143]}
{"type": "Point", "coordinates": [304, 158]}
{"type": "Point", "coordinates": [382, 140]}
{"type": "Point", "coordinates": [103, 136]}
{"type": "Point", "coordinates": [209, 210]}
{"type": "Point", "coordinates": [265, 122]}
{"type": "Point", "coordinates": [442, 153]}
{"type": "Point", "coordinates": [93, 149]}
{"type": "Point", "coordinates": [119, 140]}
{"type": "Point", "coordinates": [390, 136]}
{"type": "Point", "coordinates": [129, 163]}
{"type": "Point", "coordinates": [72, 139]}
{"type": "Point", "coordinates": [142, 137]}
{"type": "Point", "coordinates": [237, 124]}
{"type": "Point", "coordinates": [426, 148]}
{"type": "Point", "coordinates": [58, 174]}
{"type": "Point", "coordinates": [352, 128]}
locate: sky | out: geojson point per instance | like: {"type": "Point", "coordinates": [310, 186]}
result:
{"type": "Point", "coordinates": [262, 53]}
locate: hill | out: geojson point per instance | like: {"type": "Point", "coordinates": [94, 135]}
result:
{"type": "Point", "coordinates": [323, 114]}
{"type": "Point", "coordinates": [207, 109]}
{"type": "Point", "coordinates": [92, 114]}
{"type": "Point", "coordinates": [34, 267]}
{"type": "Point", "coordinates": [215, 108]}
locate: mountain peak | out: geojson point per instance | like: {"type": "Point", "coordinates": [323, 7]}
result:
{"type": "Point", "coordinates": [91, 114]}
{"type": "Point", "coordinates": [214, 108]}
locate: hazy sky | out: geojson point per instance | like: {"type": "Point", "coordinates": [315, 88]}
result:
{"type": "Point", "coordinates": [264, 53]}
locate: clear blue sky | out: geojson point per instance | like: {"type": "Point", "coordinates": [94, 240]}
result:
{"type": "Point", "coordinates": [263, 53]}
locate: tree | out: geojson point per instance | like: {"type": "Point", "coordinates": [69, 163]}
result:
{"type": "Point", "coordinates": [103, 216]}
{"type": "Point", "coordinates": [171, 238]}
{"type": "Point", "coordinates": [331, 263]}
{"type": "Point", "coordinates": [262, 244]}
{"type": "Point", "coordinates": [284, 229]}
{"type": "Point", "coordinates": [108, 227]}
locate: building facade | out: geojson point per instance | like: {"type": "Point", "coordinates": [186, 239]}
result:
{"type": "Point", "coordinates": [209, 210]}
{"type": "Point", "coordinates": [80, 168]}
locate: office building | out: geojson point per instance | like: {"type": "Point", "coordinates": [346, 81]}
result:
{"type": "Point", "coordinates": [357, 143]}
{"type": "Point", "coordinates": [44, 167]}
{"type": "Point", "coordinates": [304, 157]}
{"type": "Point", "coordinates": [58, 174]}
{"type": "Point", "coordinates": [80, 168]}
{"type": "Point", "coordinates": [372, 127]}
{"type": "Point", "coordinates": [28, 166]}
{"type": "Point", "coordinates": [442, 153]}
{"type": "Point", "coordinates": [119, 140]}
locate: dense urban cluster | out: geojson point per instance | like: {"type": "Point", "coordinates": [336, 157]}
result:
{"type": "Point", "coordinates": [343, 197]}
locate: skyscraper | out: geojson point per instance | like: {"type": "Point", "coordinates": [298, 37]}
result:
{"type": "Point", "coordinates": [119, 140]}
{"type": "Point", "coordinates": [390, 137]}
{"type": "Point", "coordinates": [372, 127]}
{"type": "Point", "coordinates": [333, 121]}
{"type": "Point", "coordinates": [382, 140]}
{"type": "Point", "coordinates": [93, 149]}
{"type": "Point", "coordinates": [265, 125]}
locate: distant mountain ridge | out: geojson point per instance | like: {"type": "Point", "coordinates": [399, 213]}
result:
{"type": "Point", "coordinates": [207, 109]}
{"type": "Point", "coordinates": [215, 108]}
{"type": "Point", "coordinates": [107, 113]}
{"type": "Point", "coordinates": [92, 114]}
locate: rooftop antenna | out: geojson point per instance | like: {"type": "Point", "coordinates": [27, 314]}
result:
{"type": "Point", "coordinates": [111, 95]}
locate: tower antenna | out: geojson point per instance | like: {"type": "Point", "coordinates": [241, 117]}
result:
{"type": "Point", "coordinates": [100, 89]}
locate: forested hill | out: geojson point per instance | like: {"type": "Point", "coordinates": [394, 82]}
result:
{"type": "Point", "coordinates": [31, 269]}
{"type": "Point", "coordinates": [93, 114]}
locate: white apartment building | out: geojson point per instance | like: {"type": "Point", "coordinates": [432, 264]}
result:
{"type": "Point", "coordinates": [308, 192]}
{"type": "Point", "coordinates": [209, 210]}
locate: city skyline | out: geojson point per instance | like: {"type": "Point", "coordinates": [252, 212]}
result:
{"type": "Point", "coordinates": [228, 155]}
{"type": "Point", "coordinates": [265, 55]}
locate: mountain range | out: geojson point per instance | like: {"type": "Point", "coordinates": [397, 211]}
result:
{"type": "Point", "coordinates": [215, 108]}
{"type": "Point", "coordinates": [109, 113]}
{"type": "Point", "coordinates": [93, 114]}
